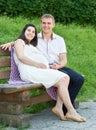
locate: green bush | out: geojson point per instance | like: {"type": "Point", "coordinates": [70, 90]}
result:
{"type": "Point", "coordinates": [85, 11]}
{"type": "Point", "coordinates": [65, 11]}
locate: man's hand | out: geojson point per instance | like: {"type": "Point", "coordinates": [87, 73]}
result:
{"type": "Point", "coordinates": [55, 66]}
{"type": "Point", "coordinates": [6, 46]}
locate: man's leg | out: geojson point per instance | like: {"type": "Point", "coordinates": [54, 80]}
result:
{"type": "Point", "coordinates": [76, 82]}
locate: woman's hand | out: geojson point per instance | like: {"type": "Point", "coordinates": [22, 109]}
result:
{"type": "Point", "coordinates": [41, 65]}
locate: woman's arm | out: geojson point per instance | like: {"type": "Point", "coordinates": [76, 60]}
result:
{"type": "Point", "coordinates": [19, 48]}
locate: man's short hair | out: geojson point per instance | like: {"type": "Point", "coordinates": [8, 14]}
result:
{"type": "Point", "coordinates": [48, 16]}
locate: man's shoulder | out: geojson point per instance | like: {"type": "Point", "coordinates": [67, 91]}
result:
{"type": "Point", "coordinates": [57, 36]}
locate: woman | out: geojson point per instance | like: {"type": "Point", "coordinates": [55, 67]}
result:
{"type": "Point", "coordinates": [34, 67]}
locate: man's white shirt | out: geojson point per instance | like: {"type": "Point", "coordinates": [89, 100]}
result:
{"type": "Point", "coordinates": [51, 48]}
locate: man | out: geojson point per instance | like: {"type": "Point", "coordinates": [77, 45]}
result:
{"type": "Point", "coordinates": [54, 49]}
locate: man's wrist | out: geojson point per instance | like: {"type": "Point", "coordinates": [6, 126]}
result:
{"type": "Point", "coordinates": [12, 43]}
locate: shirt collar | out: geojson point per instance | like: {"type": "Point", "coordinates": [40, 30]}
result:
{"type": "Point", "coordinates": [53, 36]}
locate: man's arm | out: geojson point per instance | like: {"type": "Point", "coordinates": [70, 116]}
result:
{"type": "Point", "coordinates": [62, 62]}
{"type": "Point", "coordinates": [7, 45]}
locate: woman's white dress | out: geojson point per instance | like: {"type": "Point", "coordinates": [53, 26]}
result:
{"type": "Point", "coordinates": [48, 77]}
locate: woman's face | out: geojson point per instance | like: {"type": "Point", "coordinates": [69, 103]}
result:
{"type": "Point", "coordinates": [30, 33]}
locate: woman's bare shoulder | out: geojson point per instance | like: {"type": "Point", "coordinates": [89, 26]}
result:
{"type": "Point", "coordinates": [20, 41]}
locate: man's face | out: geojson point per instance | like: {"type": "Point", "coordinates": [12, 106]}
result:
{"type": "Point", "coordinates": [47, 24]}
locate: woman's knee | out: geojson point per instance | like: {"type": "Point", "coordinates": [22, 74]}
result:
{"type": "Point", "coordinates": [65, 79]}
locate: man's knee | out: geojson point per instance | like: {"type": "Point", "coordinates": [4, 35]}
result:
{"type": "Point", "coordinates": [81, 79]}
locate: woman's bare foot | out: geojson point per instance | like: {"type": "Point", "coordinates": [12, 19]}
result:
{"type": "Point", "coordinates": [73, 115]}
{"type": "Point", "coordinates": [59, 113]}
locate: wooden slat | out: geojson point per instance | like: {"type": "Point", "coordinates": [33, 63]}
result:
{"type": "Point", "coordinates": [4, 74]}
{"type": "Point", "coordinates": [8, 88]}
{"type": "Point", "coordinates": [5, 62]}
{"type": "Point", "coordinates": [17, 97]}
{"type": "Point", "coordinates": [37, 99]}
{"type": "Point", "coordinates": [4, 52]}
{"type": "Point", "coordinates": [20, 97]}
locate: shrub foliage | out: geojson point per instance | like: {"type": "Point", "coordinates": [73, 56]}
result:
{"type": "Point", "coordinates": [65, 11]}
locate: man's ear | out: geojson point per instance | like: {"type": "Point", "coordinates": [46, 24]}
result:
{"type": "Point", "coordinates": [53, 25]}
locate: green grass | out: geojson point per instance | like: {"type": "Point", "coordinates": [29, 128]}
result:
{"type": "Point", "coordinates": [80, 42]}
{"type": "Point", "coordinates": [81, 46]}
{"type": "Point", "coordinates": [38, 107]}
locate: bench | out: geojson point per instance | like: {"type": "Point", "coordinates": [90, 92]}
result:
{"type": "Point", "coordinates": [13, 98]}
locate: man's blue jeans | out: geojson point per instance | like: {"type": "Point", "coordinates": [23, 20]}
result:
{"type": "Point", "coordinates": [76, 82]}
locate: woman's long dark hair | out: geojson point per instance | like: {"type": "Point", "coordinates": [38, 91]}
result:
{"type": "Point", "coordinates": [22, 35]}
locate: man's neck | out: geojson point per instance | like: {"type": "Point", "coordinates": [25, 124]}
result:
{"type": "Point", "coordinates": [47, 36]}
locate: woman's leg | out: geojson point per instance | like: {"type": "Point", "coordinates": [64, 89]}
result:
{"type": "Point", "coordinates": [76, 82]}
{"type": "Point", "coordinates": [58, 108]}
{"type": "Point", "coordinates": [63, 94]}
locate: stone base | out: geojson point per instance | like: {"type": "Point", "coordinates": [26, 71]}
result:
{"type": "Point", "coordinates": [16, 120]}
{"type": "Point", "coordinates": [76, 104]}
{"type": "Point", "coordinates": [23, 120]}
